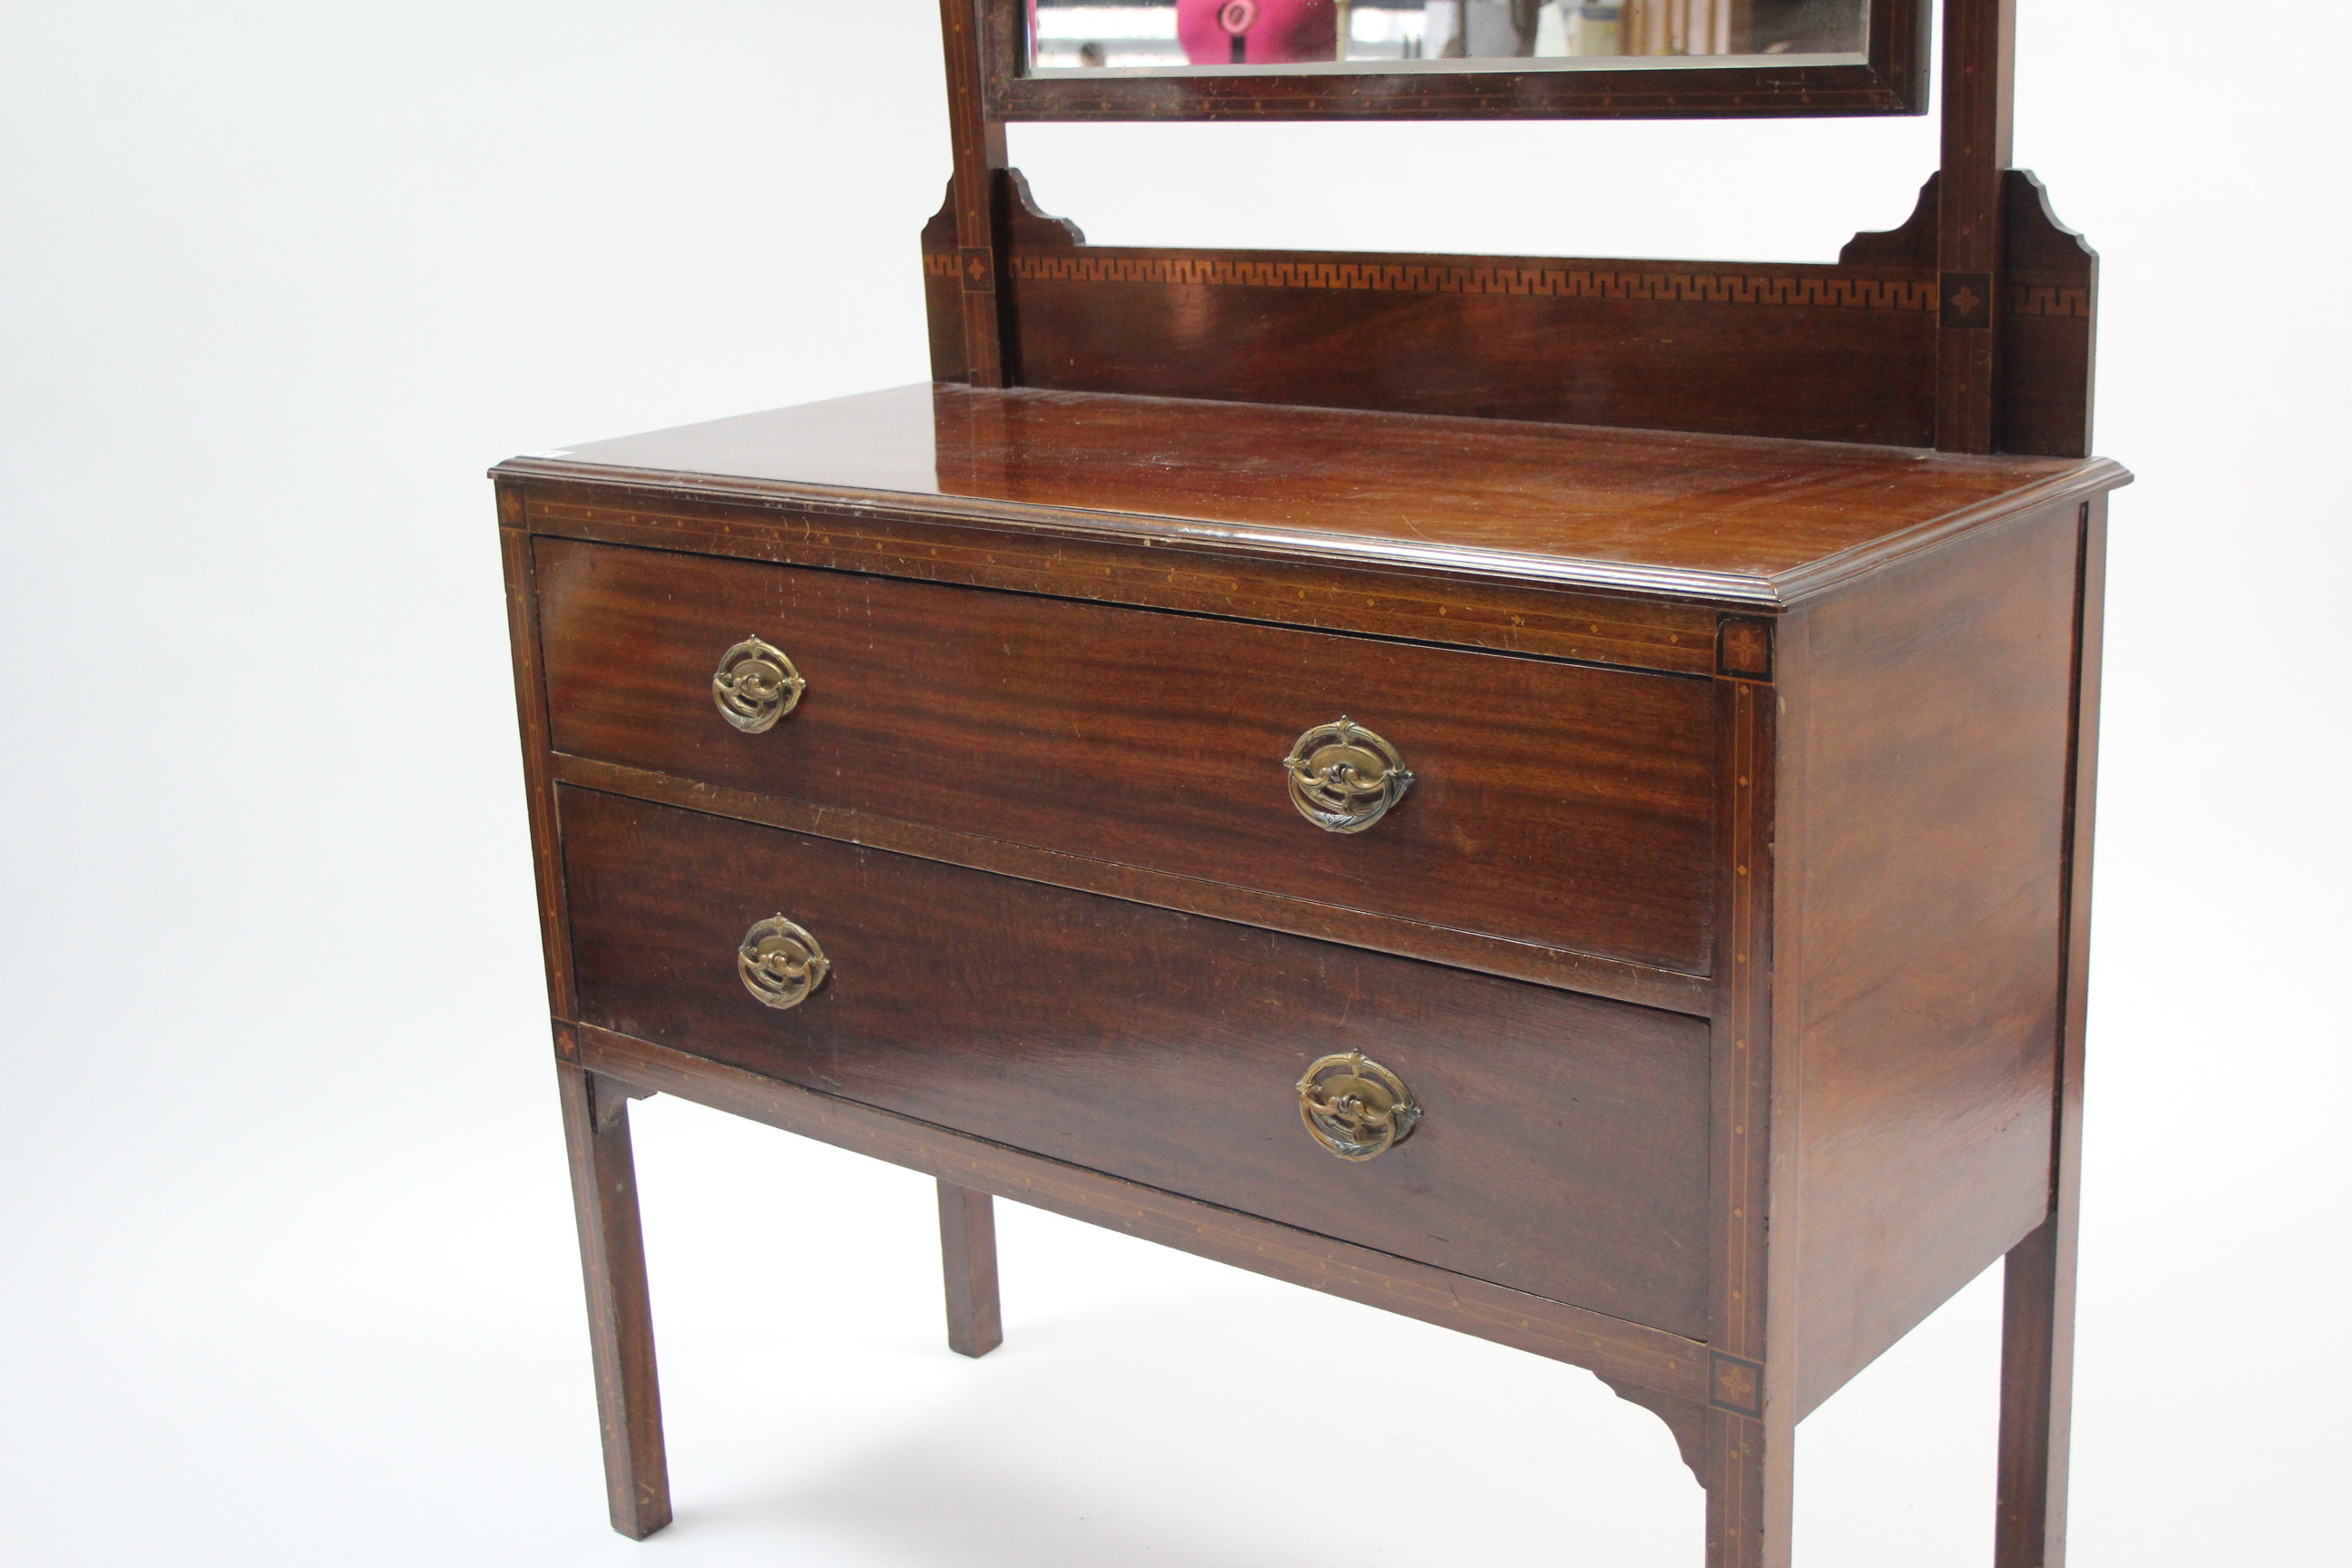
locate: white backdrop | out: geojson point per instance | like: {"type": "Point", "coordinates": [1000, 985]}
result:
{"type": "Point", "coordinates": [288, 1262]}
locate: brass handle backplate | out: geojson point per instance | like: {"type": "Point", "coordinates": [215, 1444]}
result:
{"type": "Point", "coordinates": [1355, 1106]}
{"type": "Point", "coordinates": [1344, 778]}
{"type": "Point", "coordinates": [781, 963]}
{"type": "Point", "coordinates": [755, 685]}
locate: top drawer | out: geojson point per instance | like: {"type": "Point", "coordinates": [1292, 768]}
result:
{"type": "Point", "coordinates": [1551, 804]}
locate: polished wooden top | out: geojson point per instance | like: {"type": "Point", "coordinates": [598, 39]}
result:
{"type": "Point", "coordinates": [1736, 518]}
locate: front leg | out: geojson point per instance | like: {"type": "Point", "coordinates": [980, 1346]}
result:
{"type": "Point", "coordinates": [620, 1312]}
{"type": "Point", "coordinates": [968, 1249]}
{"type": "Point", "coordinates": [1750, 1485]}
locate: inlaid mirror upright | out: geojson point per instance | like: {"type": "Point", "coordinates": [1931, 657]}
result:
{"type": "Point", "coordinates": [1613, 876]}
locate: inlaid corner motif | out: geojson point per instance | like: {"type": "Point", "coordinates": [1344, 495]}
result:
{"type": "Point", "coordinates": [1744, 649]}
{"type": "Point", "coordinates": [1968, 300]}
{"type": "Point", "coordinates": [1736, 1385]}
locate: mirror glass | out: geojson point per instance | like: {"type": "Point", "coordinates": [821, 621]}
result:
{"type": "Point", "coordinates": [1190, 37]}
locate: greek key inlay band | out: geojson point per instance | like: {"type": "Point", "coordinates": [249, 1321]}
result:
{"type": "Point", "coordinates": [1815, 289]}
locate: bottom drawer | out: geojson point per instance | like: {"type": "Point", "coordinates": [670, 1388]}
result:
{"type": "Point", "coordinates": [1561, 1147]}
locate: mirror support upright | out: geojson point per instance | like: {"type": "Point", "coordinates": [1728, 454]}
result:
{"type": "Point", "coordinates": [979, 159]}
{"type": "Point", "coordinates": [1979, 59]}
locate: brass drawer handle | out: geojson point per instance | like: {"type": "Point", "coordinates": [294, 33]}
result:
{"type": "Point", "coordinates": [781, 963]}
{"type": "Point", "coordinates": [1356, 1108]}
{"type": "Point", "coordinates": [1344, 778]}
{"type": "Point", "coordinates": [755, 685]}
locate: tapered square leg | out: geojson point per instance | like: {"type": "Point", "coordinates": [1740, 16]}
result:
{"type": "Point", "coordinates": [620, 1312]}
{"type": "Point", "coordinates": [968, 1249]}
{"type": "Point", "coordinates": [1750, 1492]}
{"type": "Point", "coordinates": [2037, 1331]}
{"type": "Point", "coordinates": [2037, 1381]}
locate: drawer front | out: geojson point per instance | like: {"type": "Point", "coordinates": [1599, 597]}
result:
{"type": "Point", "coordinates": [1552, 804]}
{"type": "Point", "coordinates": [1562, 1148]}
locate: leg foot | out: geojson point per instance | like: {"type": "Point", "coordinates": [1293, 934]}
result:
{"type": "Point", "coordinates": [968, 1248]}
{"type": "Point", "coordinates": [620, 1313]}
{"type": "Point", "coordinates": [2037, 1377]}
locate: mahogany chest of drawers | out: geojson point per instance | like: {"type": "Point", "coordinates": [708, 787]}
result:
{"type": "Point", "coordinates": [1620, 894]}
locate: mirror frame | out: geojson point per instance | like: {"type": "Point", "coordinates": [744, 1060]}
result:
{"type": "Point", "coordinates": [1891, 79]}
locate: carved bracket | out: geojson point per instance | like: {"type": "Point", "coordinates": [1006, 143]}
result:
{"type": "Point", "coordinates": [1686, 1419]}
{"type": "Point", "coordinates": [608, 1100]}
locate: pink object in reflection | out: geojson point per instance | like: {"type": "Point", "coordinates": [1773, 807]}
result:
{"type": "Point", "coordinates": [1269, 32]}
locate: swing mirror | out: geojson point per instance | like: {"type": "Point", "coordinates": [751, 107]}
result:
{"type": "Point", "coordinates": [1470, 59]}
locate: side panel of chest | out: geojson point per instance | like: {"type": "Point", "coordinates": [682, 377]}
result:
{"type": "Point", "coordinates": [1926, 772]}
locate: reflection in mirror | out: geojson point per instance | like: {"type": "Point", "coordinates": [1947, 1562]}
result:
{"type": "Point", "coordinates": [1415, 35]}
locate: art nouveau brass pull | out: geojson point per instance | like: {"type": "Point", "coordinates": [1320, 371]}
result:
{"type": "Point", "coordinates": [755, 685]}
{"type": "Point", "coordinates": [1356, 1108]}
{"type": "Point", "coordinates": [780, 963]}
{"type": "Point", "coordinates": [1344, 778]}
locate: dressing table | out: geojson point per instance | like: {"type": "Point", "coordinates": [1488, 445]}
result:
{"type": "Point", "coordinates": [1551, 797]}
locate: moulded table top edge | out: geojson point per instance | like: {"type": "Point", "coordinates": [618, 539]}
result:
{"type": "Point", "coordinates": [790, 463]}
